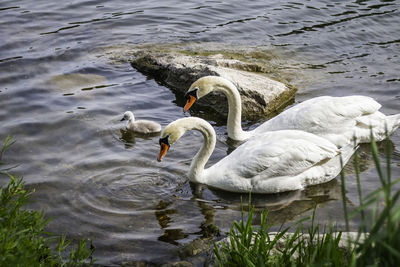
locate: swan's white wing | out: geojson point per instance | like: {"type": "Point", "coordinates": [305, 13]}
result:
{"type": "Point", "coordinates": [280, 153]}
{"type": "Point", "coordinates": [334, 118]}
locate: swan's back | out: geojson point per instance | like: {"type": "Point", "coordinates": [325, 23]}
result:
{"type": "Point", "coordinates": [271, 152]}
{"type": "Point", "coordinates": [337, 119]}
{"type": "Point", "coordinates": [267, 161]}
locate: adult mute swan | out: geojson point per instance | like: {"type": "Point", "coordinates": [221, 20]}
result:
{"type": "Point", "coordinates": [338, 119]}
{"type": "Point", "coordinates": [140, 126]}
{"type": "Point", "coordinates": [271, 162]}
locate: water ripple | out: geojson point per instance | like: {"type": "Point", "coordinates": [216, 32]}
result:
{"type": "Point", "coordinates": [334, 22]}
{"type": "Point", "coordinates": [10, 58]}
{"type": "Point", "coordinates": [60, 29]}
{"type": "Point", "coordinates": [7, 8]}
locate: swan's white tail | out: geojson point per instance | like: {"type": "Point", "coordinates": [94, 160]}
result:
{"type": "Point", "coordinates": [392, 123]}
{"type": "Point", "coordinates": [381, 125]}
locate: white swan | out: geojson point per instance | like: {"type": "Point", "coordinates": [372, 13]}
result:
{"type": "Point", "coordinates": [140, 126]}
{"type": "Point", "coordinates": [269, 163]}
{"type": "Point", "coordinates": [337, 119]}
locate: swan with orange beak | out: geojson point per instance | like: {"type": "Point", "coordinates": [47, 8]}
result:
{"type": "Point", "coordinates": [337, 119]}
{"type": "Point", "coordinates": [272, 162]}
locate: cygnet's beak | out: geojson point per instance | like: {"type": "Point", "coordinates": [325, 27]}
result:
{"type": "Point", "coordinates": [123, 119]}
{"type": "Point", "coordinates": [163, 151]}
{"type": "Point", "coordinates": [189, 103]}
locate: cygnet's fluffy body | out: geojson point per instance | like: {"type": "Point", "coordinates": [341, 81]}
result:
{"type": "Point", "coordinates": [140, 126]}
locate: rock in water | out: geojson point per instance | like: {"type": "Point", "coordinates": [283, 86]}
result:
{"type": "Point", "coordinates": [179, 69]}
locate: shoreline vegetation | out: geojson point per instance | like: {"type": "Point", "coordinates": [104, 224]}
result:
{"type": "Point", "coordinates": [24, 241]}
{"type": "Point", "coordinates": [23, 238]}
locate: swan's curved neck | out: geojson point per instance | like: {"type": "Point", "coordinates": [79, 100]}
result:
{"type": "Point", "coordinates": [197, 173]}
{"type": "Point", "coordinates": [234, 125]}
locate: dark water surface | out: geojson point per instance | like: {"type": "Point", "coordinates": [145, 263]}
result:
{"type": "Point", "coordinates": [61, 98]}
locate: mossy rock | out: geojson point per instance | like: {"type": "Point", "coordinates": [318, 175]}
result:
{"type": "Point", "coordinates": [177, 67]}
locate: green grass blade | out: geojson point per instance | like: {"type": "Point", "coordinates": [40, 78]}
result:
{"type": "Point", "coordinates": [357, 171]}
{"type": "Point", "coordinates": [343, 190]}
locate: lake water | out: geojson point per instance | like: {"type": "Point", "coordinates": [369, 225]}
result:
{"type": "Point", "coordinates": [62, 96]}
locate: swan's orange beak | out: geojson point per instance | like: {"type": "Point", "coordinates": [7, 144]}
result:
{"type": "Point", "coordinates": [163, 150]}
{"type": "Point", "coordinates": [189, 103]}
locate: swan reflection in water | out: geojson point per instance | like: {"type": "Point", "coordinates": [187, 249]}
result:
{"type": "Point", "coordinates": [282, 207]}
{"type": "Point", "coordinates": [129, 138]}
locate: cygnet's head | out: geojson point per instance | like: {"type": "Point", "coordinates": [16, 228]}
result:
{"type": "Point", "coordinates": [128, 116]}
{"type": "Point", "coordinates": [202, 87]}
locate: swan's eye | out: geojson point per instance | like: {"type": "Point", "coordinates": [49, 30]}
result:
{"type": "Point", "coordinates": [164, 140]}
{"type": "Point", "coordinates": [192, 93]}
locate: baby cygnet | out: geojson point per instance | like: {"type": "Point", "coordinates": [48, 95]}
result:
{"type": "Point", "coordinates": [140, 126]}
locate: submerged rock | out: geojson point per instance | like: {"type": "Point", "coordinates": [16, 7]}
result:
{"type": "Point", "coordinates": [179, 68]}
{"type": "Point", "coordinates": [77, 81]}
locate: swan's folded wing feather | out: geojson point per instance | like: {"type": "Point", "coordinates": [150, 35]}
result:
{"type": "Point", "coordinates": [323, 114]}
{"type": "Point", "coordinates": [330, 112]}
{"type": "Point", "coordinates": [334, 118]}
{"type": "Point", "coordinates": [281, 153]}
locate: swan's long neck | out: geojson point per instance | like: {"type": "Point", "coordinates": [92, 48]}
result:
{"type": "Point", "coordinates": [197, 173]}
{"type": "Point", "coordinates": [234, 125]}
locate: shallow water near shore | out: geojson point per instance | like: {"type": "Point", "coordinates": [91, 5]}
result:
{"type": "Point", "coordinates": [62, 95]}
